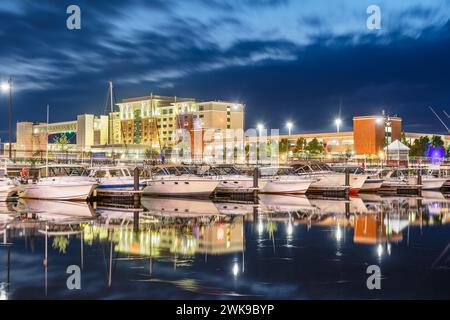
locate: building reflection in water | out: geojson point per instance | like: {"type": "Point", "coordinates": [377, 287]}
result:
{"type": "Point", "coordinates": [184, 234]}
{"type": "Point", "coordinates": [181, 236]}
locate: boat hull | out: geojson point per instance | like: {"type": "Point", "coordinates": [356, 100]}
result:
{"type": "Point", "coordinates": [57, 191]}
{"type": "Point", "coordinates": [234, 184]}
{"type": "Point", "coordinates": [372, 185]}
{"type": "Point", "coordinates": [291, 186]}
{"type": "Point", "coordinates": [329, 181]}
{"type": "Point", "coordinates": [182, 188]}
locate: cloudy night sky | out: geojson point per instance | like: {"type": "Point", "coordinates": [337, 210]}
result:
{"type": "Point", "coordinates": [305, 61]}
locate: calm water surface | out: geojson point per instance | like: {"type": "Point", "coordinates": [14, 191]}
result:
{"type": "Point", "coordinates": [283, 248]}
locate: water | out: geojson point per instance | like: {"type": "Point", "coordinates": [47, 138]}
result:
{"type": "Point", "coordinates": [284, 248]}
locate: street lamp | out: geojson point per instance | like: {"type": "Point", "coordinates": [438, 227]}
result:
{"type": "Point", "coordinates": [338, 123]}
{"type": "Point", "coordinates": [260, 128]}
{"type": "Point", "coordinates": [289, 126]}
{"type": "Point", "coordinates": [7, 86]}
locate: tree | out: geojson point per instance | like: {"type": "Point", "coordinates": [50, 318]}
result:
{"type": "Point", "coordinates": [419, 147]}
{"type": "Point", "coordinates": [300, 145]}
{"type": "Point", "coordinates": [403, 139]}
{"type": "Point", "coordinates": [437, 142]}
{"type": "Point", "coordinates": [62, 142]}
{"type": "Point", "coordinates": [283, 147]}
{"type": "Point", "coordinates": [315, 147]}
{"type": "Point", "coordinates": [150, 153]}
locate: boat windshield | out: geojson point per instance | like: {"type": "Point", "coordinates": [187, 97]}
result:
{"type": "Point", "coordinates": [67, 172]}
{"type": "Point", "coordinates": [315, 167]}
{"type": "Point", "coordinates": [354, 170]}
{"type": "Point", "coordinates": [220, 171]}
{"type": "Point", "coordinates": [175, 171]}
{"type": "Point", "coordinates": [107, 173]}
{"type": "Point", "coordinates": [273, 171]}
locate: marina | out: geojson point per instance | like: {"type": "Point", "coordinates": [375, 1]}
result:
{"type": "Point", "coordinates": [247, 152]}
{"type": "Point", "coordinates": [184, 248]}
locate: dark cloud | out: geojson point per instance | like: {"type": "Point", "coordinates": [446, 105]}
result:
{"type": "Point", "coordinates": [284, 60]}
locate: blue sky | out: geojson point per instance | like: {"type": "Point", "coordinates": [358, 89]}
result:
{"type": "Point", "coordinates": [305, 61]}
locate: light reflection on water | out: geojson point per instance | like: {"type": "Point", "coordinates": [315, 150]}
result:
{"type": "Point", "coordinates": [285, 247]}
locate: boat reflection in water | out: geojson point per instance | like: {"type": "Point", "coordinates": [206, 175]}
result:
{"type": "Point", "coordinates": [280, 247]}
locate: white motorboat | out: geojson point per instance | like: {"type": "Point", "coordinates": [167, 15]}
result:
{"type": "Point", "coordinates": [62, 182]}
{"type": "Point", "coordinates": [325, 178]}
{"type": "Point", "coordinates": [179, 181]}
{"type": "Point", "coordinates": [230, 178]}
{"type": "Point", "coordinates": [282, 180]}
{"type": "Point", "coordinates": [118, 177]}
{"type": "Point", "coordinates": [373, 182]}
{"type": "Point", "coordinates": [7, 185]}
{"type": "Point", "coordinates": [408, 177]}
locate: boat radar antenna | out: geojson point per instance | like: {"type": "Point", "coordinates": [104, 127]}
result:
{"type": "Point", "coordinates": [446, 114]}
{"type": "Point", "coordinates": [439, 118]}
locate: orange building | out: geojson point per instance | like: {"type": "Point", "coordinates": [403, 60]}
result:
{"type": "Point", "coordinates": [372, 133]}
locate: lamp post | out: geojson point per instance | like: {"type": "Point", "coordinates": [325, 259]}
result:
{"type": "Point", "coordinates": [289, 126]}
{"type": "Point", "coordinates": [338, 123]}
{"type": "Point", "coordinates": [7, 86]}
{"type": "Point", "coordinates": [260, 128]}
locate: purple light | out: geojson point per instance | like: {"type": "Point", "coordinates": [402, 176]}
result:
{"type": "Point", "coordinates": [436, 154]}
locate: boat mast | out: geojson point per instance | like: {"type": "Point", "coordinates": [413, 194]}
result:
{"type": "Point", "coordinates": [439, 118]}
{"type": "Point", "coordinates": [111, 100]}
{"type": "Point", "coordinates": [46, 153]}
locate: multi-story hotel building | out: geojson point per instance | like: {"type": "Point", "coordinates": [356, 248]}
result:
{"type": "Point", "coordinates": [156, 122]}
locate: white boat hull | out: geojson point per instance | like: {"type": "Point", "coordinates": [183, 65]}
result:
{"type": "Point", "coordinates": [288, 186]}
{"type": "Point", "coordinates": [371, 185]}
{"type": "Point", "coordinates": [432, 184]}
{"type": "Point", "coordinates": [337, 180]}
{"type": "Point", "coordinates": [6, 190]}
{"type": "Point", "coordinates": [181, 187]}
{"type": "Point", "coordinates": [235, 183]}
{"type": "Point", "coordinates": [57, 191]}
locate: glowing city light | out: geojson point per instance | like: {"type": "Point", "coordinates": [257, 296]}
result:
{"type": "Point", "coordinates": [338, 123]}
{"type": "Point", "coordinates": [235, 269]}
{"type": "Point", "coordinates": [289, 126]}
{"type": "Point", "coordinates": [5, 86]}
{"type": "Point", "coordinates": [380, 250]}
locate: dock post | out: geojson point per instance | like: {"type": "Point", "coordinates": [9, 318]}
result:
{"type": "Point", "coordinates": [255, 183]}
{"type": "Point", "coordinates": [419, 182]}
{"type": "Point", "coordinates": [347, 182]}
{"type": "Point", "coordinates": [136, 195]}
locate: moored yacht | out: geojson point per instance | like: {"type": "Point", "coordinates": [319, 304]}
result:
{"type": "Point", "coordinates": [373, 182]}
{"type": "Point", "coordinates": [409, 177]}
{"type": "Point", "coordinates": [118, 177]}
{"type": "Point", "coordinates": [7, 185]}
{"type": "Point", "coordinates": [282, 180]}
{"type": "Point", "coordinates": [61, 182]}
{"type": "Point", "coordinates": [231, 179]}
{"type": "Point", "coordinates": [179, 181]}
{"type": "Point", "coordinates": [325, 178]}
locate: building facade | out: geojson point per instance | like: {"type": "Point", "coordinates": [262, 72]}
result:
{"type": "Point", "coordinates": [142, 123]}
